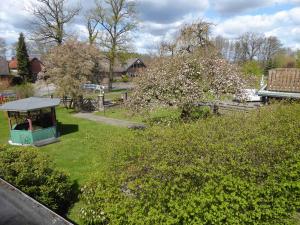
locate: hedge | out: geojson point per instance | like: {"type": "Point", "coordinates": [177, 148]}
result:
{"type": "Point", "coordinates": [237, 169]}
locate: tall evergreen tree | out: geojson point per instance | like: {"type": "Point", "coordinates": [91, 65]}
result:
{"type": "Point", "coordinates": [23, 59]}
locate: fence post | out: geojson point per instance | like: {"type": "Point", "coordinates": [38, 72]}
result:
{"type": "Point", "coordinates": [125, 96]}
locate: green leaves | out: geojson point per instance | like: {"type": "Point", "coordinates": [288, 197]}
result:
{"type": "Point", "coordinates": [31, 172]}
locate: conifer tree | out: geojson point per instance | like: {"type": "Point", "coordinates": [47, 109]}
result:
{"type": "Point", "coordinates": [23, 59]}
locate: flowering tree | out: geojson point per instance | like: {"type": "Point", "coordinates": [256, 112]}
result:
{"type": "Point", "coordinates": [185, 79]}
{"type": "Point", "coordinates": [71, 65]}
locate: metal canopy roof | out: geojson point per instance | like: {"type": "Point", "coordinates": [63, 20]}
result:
{"type": "Point", "coordinates": [18, 208]}
{"type": "Point", "coordinates": [277, 94]}
{"type": "Point", "coordinates": [28, 104]}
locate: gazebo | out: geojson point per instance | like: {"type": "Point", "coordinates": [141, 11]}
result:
{"type": "Point", "coordinates": [32, 121]}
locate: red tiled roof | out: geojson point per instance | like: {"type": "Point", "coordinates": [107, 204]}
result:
{"type": "Point", "coordinates": [34, 62]}
{"type": "Point", "coordinates": [13, 64]}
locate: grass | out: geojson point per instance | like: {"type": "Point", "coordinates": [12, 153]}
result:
{"type": "Point", "coordinates": [122, 113]}
{"type": "Point", "coordinates": [86, 147]}
{"type": "Point", "coordinates": [4, 128]}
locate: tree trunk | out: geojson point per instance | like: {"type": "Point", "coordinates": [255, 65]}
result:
{"type": "Point", "coordinates": [78, 102]}
{"type": "Point", "coordinates": [110, 75]}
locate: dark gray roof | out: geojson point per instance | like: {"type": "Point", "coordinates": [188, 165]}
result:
{"type": "Point", "coordinates": [119, 66]}
{"type": "Point", "coordinates": [18, 208]}
{"type": "Point", "coordinates": [31, 103]}
{"type": "Point", "coordinates": [4, 70]}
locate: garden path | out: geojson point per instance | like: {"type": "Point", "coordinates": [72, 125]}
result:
{"type": "Point", "coordinates": [110, 121]}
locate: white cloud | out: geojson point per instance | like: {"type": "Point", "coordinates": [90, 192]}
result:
{"type": "Point", "coordinates": [160, 19]}
{"type": "Point", "coordinates": [283, 24]}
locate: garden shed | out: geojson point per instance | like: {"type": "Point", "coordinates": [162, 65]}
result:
{"type": "Point", "coordinates": [32, 121]}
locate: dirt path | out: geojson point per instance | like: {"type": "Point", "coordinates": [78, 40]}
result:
{"type": "Point", "coordinates": [110, 121]}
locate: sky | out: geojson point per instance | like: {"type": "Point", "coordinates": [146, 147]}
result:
{"type": "Point", "coordinates": [160, 19]}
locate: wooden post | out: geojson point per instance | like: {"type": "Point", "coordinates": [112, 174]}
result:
{"type": "Point", "coordinates": [9, 120]}
{"type": "Point", "coordinates": [125, 96]}
{"type": "Point", "coordinates": [53, 116]}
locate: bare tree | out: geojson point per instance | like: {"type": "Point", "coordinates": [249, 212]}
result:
{"type": "Point", "coordinates": [117, 19]}
{"type": "Point", "coordinates": [194, 35]}
{"type": "Point", "coordinates": [92, 21]}
{"type": "Point", "coordinates": [167, 48]}
{"type": "Point", "coordinates": [50, 18]}
{"type": "Point", "coordinates": [2, 47]}
{"type": "Point", "coordinates": [225, 47]}
{"type": "Point", "coordinates": [249, 46]}
{"type": "Point", "coordinates": [38, 49]}
{"type": "Point", "coordinates": [270, 47]}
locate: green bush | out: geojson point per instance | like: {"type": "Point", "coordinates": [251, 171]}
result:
{"type": "Point", "coordinates": [238, 169]}
{"type": "Point", "coordinates": [252, 68]}
{"type": "Point", "coordinates": [30, 171]}
{"type": "Point", "coordinates": [200, 113]}
{"type": "Point", "coordinates": [24, 90]}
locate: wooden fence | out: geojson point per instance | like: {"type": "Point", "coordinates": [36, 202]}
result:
{"type": "Point", "coordinates": [284, 80]}
{"type": "Point", "coordinates": [226, 107]}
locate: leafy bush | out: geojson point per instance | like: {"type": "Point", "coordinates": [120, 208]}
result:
{"type": "Point", "coordinates": [200, 113]}
{"type": "Point", "coordinates": [30, 171]}
{"type": "Point", "coordinates": [239, 169]}
{"type": "Point", "coordinates": [252, 68]}
{"type": "Point", "coordinates": [24, 90]}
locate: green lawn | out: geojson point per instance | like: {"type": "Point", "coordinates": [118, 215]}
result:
{"type": "Point", "coordinates": [122, 113]}
{"type": "Point", "coordinates": [85, 148]}
{"type": "Point", "coordinates": [4, 128]}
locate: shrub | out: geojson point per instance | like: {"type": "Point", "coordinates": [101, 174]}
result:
{"type": "Point", "coordinates": [252, 68]}
{"type": "Point", "coordinates": [238, 169]}
{"type": "Point", "coordinates": [30, 171]}
{"type": "Point", "coordinates": [24, 90]}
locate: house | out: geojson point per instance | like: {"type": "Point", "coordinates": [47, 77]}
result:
{"type": "Point", "coordinates": [131, 67]}
{"type": "Point", "coordinates": [36, 66]}
{"type": "Point", "coordinates": [134, 66]}
{"type": "Point", "coordinates": [5, 77]}
{"type": "Point", "coordinates": [13, 65]}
